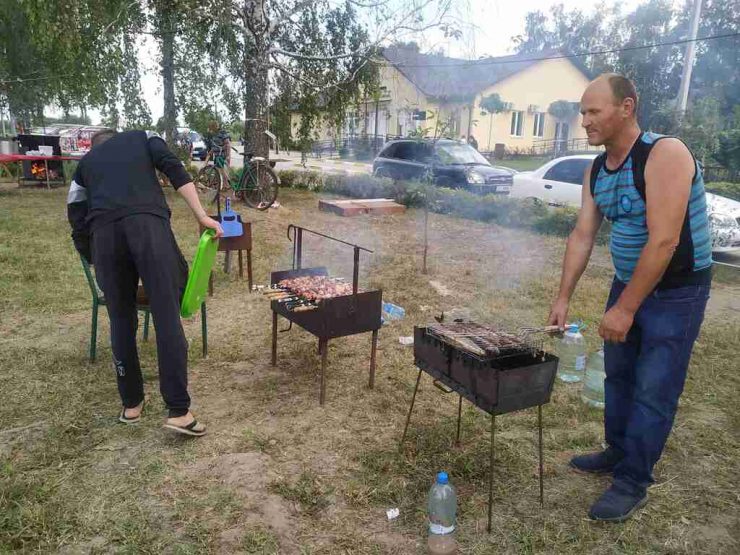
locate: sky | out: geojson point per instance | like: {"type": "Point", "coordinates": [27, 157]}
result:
{"type": "Point", "coordinates": [487, 25]}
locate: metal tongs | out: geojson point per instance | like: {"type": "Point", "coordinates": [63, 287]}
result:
{"type": "Point", "coordinates": [549, 330]}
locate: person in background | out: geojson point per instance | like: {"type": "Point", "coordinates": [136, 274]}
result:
{"type": "Point", "coordinates": [472, 142]}
{"type": "Point", "coordinates": [218, 143]}
{"type": "Point", "coordinates": [651, 188]}
{"type": "Point", "coordinates": [121, 224]}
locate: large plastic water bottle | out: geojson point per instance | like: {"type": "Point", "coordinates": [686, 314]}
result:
{"type": "Point", "coordinates": [593, 381]}
{"type": "Point", "coordinates": [442, 508]}
{"type": "Point", "coordinates": [572, 355]}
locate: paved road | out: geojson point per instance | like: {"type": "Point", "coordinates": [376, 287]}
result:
{"type": "Point", "coordinates": [733, 259]}
{"type": "Point", "coordinates": [292, 161]}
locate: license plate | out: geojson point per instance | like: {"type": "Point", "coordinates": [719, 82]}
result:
{"type": "Point", "coordinates": [503, 188]}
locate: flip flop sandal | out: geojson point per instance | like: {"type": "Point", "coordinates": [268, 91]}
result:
{"type": "Point", "coordinates": [129, 420]}
{"type": "Point", "coordinates": [189, 430]}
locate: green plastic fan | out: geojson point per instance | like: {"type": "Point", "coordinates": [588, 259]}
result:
{"type": "Point", "coordinates": [200, 272]}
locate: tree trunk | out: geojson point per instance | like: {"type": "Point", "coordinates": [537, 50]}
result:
{"type": "Point", "coordinates": [375, 142]}
{"type": "Point", "coordinates": [256, 143]}
{"type": "Point", "coordinates": [166, 16]}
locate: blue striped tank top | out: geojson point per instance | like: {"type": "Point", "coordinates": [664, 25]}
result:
{"type": "Point", "coordinates": [620, 196]}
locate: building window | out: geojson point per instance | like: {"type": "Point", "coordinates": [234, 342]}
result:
{"type": "Point", "coordinates": [539, 125]}
{"type": "Point", "coordinates": [517, 120]}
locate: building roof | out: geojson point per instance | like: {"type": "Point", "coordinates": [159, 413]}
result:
{"type": "Point", "coordinates": [446, 78]}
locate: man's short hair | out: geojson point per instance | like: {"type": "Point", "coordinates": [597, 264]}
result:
{"type": "Point", "coordinates": [621, 88]}
{"type": "Point", "coordinates": [99, 137]}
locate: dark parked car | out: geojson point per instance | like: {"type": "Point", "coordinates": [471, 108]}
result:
{"type": "Point", "coordinates": [454, 164]}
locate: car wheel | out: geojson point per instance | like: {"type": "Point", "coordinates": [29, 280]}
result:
{"type": "Point", "coordinates": [534, 201]}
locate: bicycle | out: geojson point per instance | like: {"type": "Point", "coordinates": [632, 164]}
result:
{"type": "Point", "coordinates": [257, 186]}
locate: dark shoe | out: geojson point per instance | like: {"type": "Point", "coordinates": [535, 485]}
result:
{"type": "Point", "coordinates": [602, 462]}
{"type": "Point", "coordinates": [616, 504]}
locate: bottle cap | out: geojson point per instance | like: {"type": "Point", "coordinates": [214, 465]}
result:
{"type": "Point", "coordinates": [574, 328]}
{"type": "Point", "coordinates": [442, 478]}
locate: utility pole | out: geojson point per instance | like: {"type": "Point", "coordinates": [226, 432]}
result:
{"type": "Point", "coordinates": [688, 61]}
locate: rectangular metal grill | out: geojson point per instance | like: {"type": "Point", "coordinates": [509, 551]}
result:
{"type": "Point", "coordinates": [327, 318]}
{"type": "Point", "coordinates": [497, 371]}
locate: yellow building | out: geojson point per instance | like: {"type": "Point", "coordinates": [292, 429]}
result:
{"type": "Point", "coordinates": [449, 92]}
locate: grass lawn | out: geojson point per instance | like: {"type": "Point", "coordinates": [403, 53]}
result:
{"type": "Point", "coordinates": [279, 474]}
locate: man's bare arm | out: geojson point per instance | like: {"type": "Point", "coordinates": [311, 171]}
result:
{"type": "Point", "coordinates": [577, 252]}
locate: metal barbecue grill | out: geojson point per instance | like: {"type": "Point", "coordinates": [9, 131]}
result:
{"type": "Point", "coordinates": [330, 317]}
{"type": "Point", "coordinates": [497, 371]}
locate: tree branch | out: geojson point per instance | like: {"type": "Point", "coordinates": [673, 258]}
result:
{"type": "Point", "coordinates": [297, 7]}
{"type": "Point", "coordinates": [319, 87]}
{"type": "Point", "coordinates": [321, 58]}
{"type": "Point", "coordinates": [363, 52]}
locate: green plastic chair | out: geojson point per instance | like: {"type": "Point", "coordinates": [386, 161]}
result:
{"type": "Point", "coordinates": [142, 304]}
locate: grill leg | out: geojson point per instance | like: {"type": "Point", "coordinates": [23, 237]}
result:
{"type": "Point", "coordinates": [411, 408]}
{"type": "Point", "coordinates": [373, 351]}
{"type": "Point", "coordinates": [539, 429]}
{"type": "Point", "coordinates": [274, 337]}
{"type": "Point", "coordinates": [490, 470]}
{"type": "Point", "coordinates": [241, 265]}
{"type": "Point", "coordinates": [459, 416]}
{"type": "Point", "coordinates": [249, 269]}
{"type": "Point", "coordinates": [323, 349]}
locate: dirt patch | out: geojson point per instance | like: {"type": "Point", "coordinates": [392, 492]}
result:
{"type": "Point", "coordinates": [439, 288]}
{"type": "Point", "coordinates": [724, 300]}
{"type": "Point", "coordinates": [248, 475]}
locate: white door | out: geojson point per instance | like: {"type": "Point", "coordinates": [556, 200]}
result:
{"type": "Point", "coordinates": [562, 182]}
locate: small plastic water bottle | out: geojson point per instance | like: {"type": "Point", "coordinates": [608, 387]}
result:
{"type": "Point", "coordinates": [593, 381]}
{"type": "Point", "coordinates": [393, 312]}
{"type": "Point", "coordinates": [572, 355]}
{"type": "Point", "coordinates": [442, 510]}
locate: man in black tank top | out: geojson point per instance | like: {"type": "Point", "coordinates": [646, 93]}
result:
{"type": "Point", "coordinates": [657, 301]}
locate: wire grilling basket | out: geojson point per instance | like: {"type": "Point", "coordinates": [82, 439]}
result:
{"type": "Point", "coordinates": [487, 343]}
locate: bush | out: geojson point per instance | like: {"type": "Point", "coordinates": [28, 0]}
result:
{"type": "Point", "coordinates": [726, 189]}
{"type": "Point", "coordinates": [455, 202]}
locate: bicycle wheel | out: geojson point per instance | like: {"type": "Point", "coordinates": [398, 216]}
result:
{"type": "Point", "coordinates": [208, 179]}
{"type": "Point", "coordinates": [259, 186]}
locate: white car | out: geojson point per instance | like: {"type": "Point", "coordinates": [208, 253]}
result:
{"type": "Point", "coordinates": [559, 183]}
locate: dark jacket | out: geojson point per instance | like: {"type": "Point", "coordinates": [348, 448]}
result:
{"type": "Point", "coordinates": [117, 179]}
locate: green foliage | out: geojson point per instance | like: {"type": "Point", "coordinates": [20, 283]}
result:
{"type": "Point", "coordinates": [198, 119]}
{"type": "Point", "coordinates": [71, 54]}
{"type": "Point", "coordinates": [700, 128]}
{"type": "Point", "coordinates": [656, 71]}
{"type": "Point", "coordinates": [728, 151]}
{"type": "Point", "coordinates": [725, 189]}
{"type": "Point", "coordinates": [74, 119]}
{"type": "Point", "coordinates": [493, 104]}
{"type": "Point", "coordinates": [562, 109]}
{"type": "Point", "coordinates": [496, 209]}
{"type": "Point", "coordinates": [711, 138]}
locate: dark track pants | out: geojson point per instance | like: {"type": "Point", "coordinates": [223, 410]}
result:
{"type": "Point", "coordinates": [143, 246]}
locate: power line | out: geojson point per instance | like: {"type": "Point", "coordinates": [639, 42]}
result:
{"type": "Point", "coordinates": [495, 61]}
